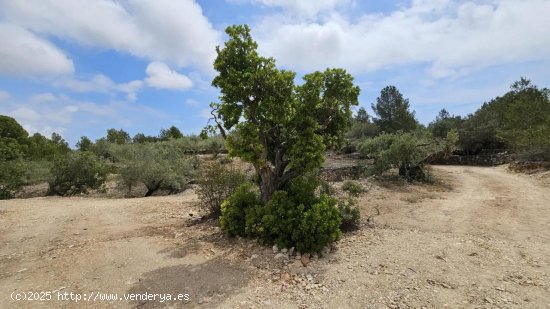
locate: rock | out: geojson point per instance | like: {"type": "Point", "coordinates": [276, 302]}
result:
{"type": "Point", "coordinates": [305, 259]}
{"type": "Point", "coordinates": [309, 277]}
{"type": "Point", "coordinates": [253, 256]}
{"type": "Point", "coordinates": [275, 249]}
{"type": "Point", "coordinates": [315, 255]}
{"type": "Point", "coordinates": [325, 251]}
{"type": "Point", "coordinates": [284, 250]}
{"type": "Point", "coordinates": [291, 251]}
{"type": "Point", "coordinates": [280, 256]}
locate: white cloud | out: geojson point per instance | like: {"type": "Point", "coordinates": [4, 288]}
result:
{"type": "Point", "coordinates": [159, 75]}
{"type": "Point", "coordinates": [4, 95]}
{"type": "Point", "coordinates": [102, 84]}
{"type": "Point", "coordinates": [305, 8]}
{"type": "Point", "coordinates": [43, 97]}
{"type": "Point", "coordinates": [24, 53]}
{"type": "Point", "coordinates": [175, 32]}
{"type": "Point", "coordinates": [452, 37]}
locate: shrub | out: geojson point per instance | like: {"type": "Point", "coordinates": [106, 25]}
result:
{"type": "Point", "coordinates": [11, 178]}
{"type": "Point", "coordinates": [351, 217]}
{"type": "Point", "coordinates": [352, 187]}
{"type": "Point", "coordinates": [216, 182]}
{"type": "Point", "coordinates": [159, 166]}
{"type": "Point", "coordinates": [76, 173]}
{"type": "Point", "coordinates": [307, 227]}
{"type": "Point", "coordinates": [234, 210]}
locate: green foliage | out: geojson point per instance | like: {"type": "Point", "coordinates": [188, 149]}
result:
{"type": "Point", "coordinates": [281, 128]}
{"type": "Point", "coordinates": [10, 128]}
{"type": "Point", "coordinates": [159, 166]}
{"type": "Point", "coordinates": [118, 136]}
{"type": "Point", "coordinates": [406, 151]}
{"type": "Point", "coordinates": [352, 187]}
{"type": "Point", "coordinates": [36, 172]}
{"type": "Point", "coordinates": [170, 133]}
{"type": "Point", "coordinates": [233, 219]}
{"type": "Point", "coordinates": [307, 227]}
{"type": "Point", "coordinates": [84, 144]}
{"type": "Point", "coordinates": [11, 178]}
{"type": "Point", "coordinates": [443, 123]}
{"type": "Point", "coordinates": [76, 173]}
{"type": "Point", "coordinates": [216, 183]}
{"type": "Point", "coordinates": [350, 214]}
{"type": "Point", "coordinates": [361, 126]}
{"type": "Point", "coordinates": [393, 112]}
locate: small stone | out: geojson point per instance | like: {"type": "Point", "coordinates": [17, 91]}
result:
{"type": "Point", "coordinates": [325, 251]}
{"type": "Point", "coordinates": [253, 256]}
{"type": "Point", "coordinates": [284, 250]}
{"type": "Point", "coordinates": [305, 259]}
{"type": "Point", "coordinates": [275, 249]}
{"type": "Point", "coordinates": [291, 251]}
{"type": "Point", "coordinates": [280, 256]}
{"type": "Point", "coordinates": [309, 277]}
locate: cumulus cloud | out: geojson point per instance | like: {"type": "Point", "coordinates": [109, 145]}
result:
{"type": "Point", "coordinates": [451, 37]}
{"type": "Point", "coordinates": [303, 8]}
{"type": "Point", "coordinates": [24, 53]}
{"type": "Point", "coordinates": [102, 84]}
{"type": "Point", "coordinates": [159, 75]}
{"type": "Point", "coordinates": [174, 32]}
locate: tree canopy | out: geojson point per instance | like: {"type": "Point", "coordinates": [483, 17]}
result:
{"type": "Point", "coordinates": [267, 120]}
{"type": "Point", "coordinates": [393, 112]}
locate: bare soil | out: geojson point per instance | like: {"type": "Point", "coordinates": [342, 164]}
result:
{"type": "Point", "coordinates": [479, 238]}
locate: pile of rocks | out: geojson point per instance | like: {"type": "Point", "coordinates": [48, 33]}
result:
{"type": "Point", "coordinates": [305, 258]}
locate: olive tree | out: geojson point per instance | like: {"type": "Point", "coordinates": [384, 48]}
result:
{"type": "Point", "coordinates": [281, 128]}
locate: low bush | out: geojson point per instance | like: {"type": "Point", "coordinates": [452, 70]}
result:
{"type": "Point", "coordinates": [233, 219]}
{"type": "Point", "coordinates": [11, 178]}
{"type": "Point", "coordinates": [216, 183]}
{"type": "Point", "coordinates": [352, 187]}
{"type": "Point", "coordinates": [76, 173]}
{"type": "Point", "coordinates": [159, 166]}
{"type": "Point", "coordinates": [351, 217]}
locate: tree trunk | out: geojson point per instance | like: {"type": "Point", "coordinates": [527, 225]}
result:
{"type": "Point", "coordinates": [268, 183]}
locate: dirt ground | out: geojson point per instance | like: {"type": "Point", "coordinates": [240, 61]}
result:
{"type": "Point", "coordinates": [478, 239]}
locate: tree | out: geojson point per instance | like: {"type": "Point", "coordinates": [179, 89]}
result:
{"type": "Point", "coordinates": [170, 133]}
{"type": "Point", "coordinates": [443, 123]}
{"type": "Point", "coordinates": [407, 152]}
{"type": "Point", "coordinates": [10, 128]}
{"type": "Point", "coordinates": [393, 112]}
{"type": "Point", "coordinates": [141, 138]}
{"type": "Point", "coordinates": [280, 128]}
{"type": "Point", "coordinates": [361, 126]}
{"type": "Point", "coordinates": [158, 166]}
{"type": "Point", "coordinates": [118, 136]}
{"type": "Point", "coordinates": [84, 144]}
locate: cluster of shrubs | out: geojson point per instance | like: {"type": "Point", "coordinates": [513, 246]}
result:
{"type": "Point", "coordinates": [302, 214]}
{"type": "Point", "coordinates": [164, 163]}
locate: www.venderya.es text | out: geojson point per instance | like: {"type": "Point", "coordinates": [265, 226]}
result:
{"type": "Point", "coordinates": [96, 296]}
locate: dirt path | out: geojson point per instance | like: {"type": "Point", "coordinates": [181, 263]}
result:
{"type": "Point", "coordinates": [480, 240]}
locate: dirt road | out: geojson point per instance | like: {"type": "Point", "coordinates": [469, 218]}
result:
{"type": "Point", "coordinates": [481, 239]}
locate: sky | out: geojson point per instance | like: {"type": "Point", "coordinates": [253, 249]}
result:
{"type": "Point", "coordinates": [80, 67]}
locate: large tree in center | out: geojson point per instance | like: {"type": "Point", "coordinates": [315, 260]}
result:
{"type": "Point", "coordinates": [281, 128]}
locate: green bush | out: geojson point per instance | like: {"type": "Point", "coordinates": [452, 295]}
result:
{"type": "Point", "coordinates": [352, 187]}
{"type": "Point", "coordinates": [234, 210]}
{"type": "Point", "coordinates": [351, 217]}
{"type": "Point", "coordinates": [217, 182]}
{"type": "Point", "coordinates": [159, 166]}
{"type": "Point", "coordinates": [307, 227]}
{"type": "Point", "coordinates": [11, 178]}
{"type": "Point", "coordinates": [76, 173]}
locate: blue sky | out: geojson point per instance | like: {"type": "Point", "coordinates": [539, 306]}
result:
{"type": "Point", "coordinates": [79, 67]}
